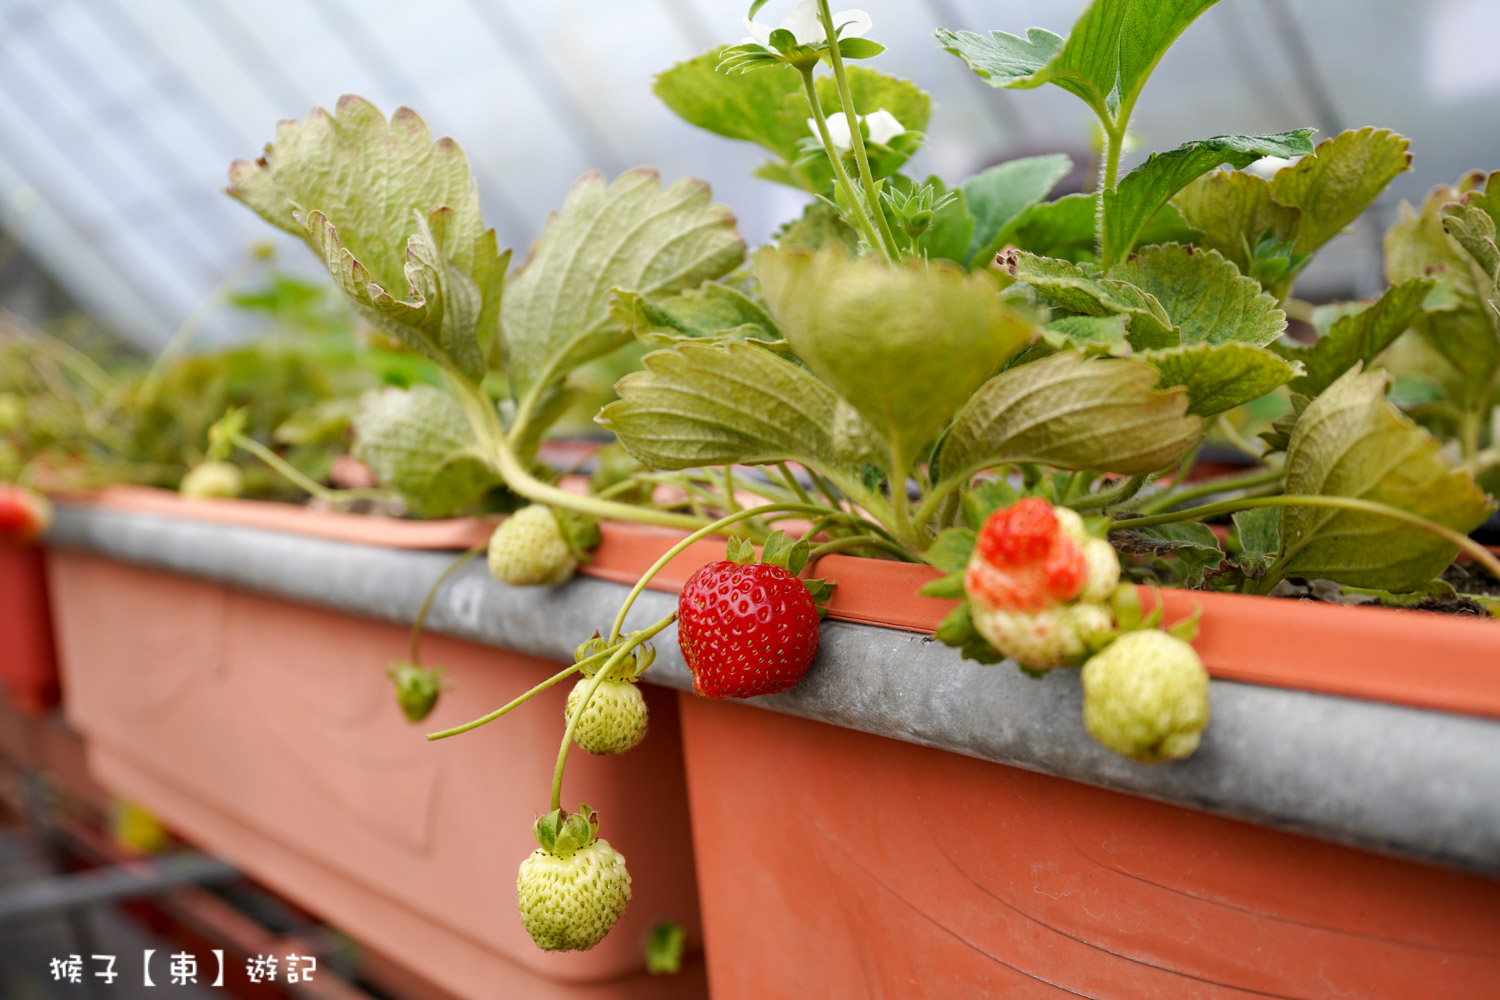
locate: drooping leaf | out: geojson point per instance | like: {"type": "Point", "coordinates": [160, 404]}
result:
{"type": "Point", "coordinates": [1071, 412]}
{"type": "Point", "coordinates": [1343, 177]}
{"type": "Point", "coordinates": [1233, 210]}
{"type": "Point", "coordinates": [699, 404]}
{"type": "Point", "coordinates": [632, 235]}
{"type": "Point", "coordinates": [1081, 290]}
{"type": "Point", "coordinates": [904, 345]}
{"type": "Point", "coordinates": [1208, 299]}
{"type": "Point", "coordinates": [1192, 543]}
{"type": "Point", "coordinates": [1460, 322]}
{"type": "Point", "coordinates": [1105, 60]}
{"type": "Point", "coordinates": [712, 308]}
{"type": "Point", "coordinates": [1351, 442]}
{"type": "Point", "coordinates": [395, 218]}
{"type": "Point", "coordinates": [1358, 336]}
{"type": "Point", "coordinates": [1151, 185]}
{"type": "Point", "coordinates": [995, 197]}
{"type": "Point", "coordinates": [1219, 377]}
{"type": "Point", "coordinates": [1259, 533]}
{"type": "Point", "coordinates": [419, 443]}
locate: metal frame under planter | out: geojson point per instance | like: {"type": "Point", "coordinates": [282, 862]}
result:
{"type": "Point", "coordinates": [1414, 784]}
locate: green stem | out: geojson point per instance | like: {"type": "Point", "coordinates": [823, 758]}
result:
{"type": "Point", "coordinates": [1481, 555]}
{"type": "Point", "coordinates": [793, 484]}
{"type": "Point", "coordinates": [866, 227]}
{"type": "Point", "coordinates": [1114, 144]}
{"type": "Point", "coordinates": [486, 424]}
{"type": "Point", "coordinates": [1177, 498]}
{"type": "Point", "coordinates": [616, 658]}
{"type": "Point", "coordinates": [1238, 440]}
{"type": "Point", "coordinates": [731, 505]}
{"type": "Point", "coordinates": [295, 475]}
{"type": "Point", "coordinates": [703, 532]}
{"type": "Point", "coordinates": [1112, 496]}
{"type": "Point", "coordinates": [861, 158]}
{"type": "Point", "coordinates": [421, 619]}
{"type": "Point", "coordinates": [521, 700]}
{"type": "Point", "coordinates": [857, 542]}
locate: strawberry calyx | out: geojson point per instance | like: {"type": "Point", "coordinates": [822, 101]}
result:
{"type": "Point", "coordinates": [792, 556]}
{"type": "Point", "coordinates": [561, 833]}
{"type": "Point", "coordinates": [590, 658]}
{"type": "Point", "coordinates": [417, 688]}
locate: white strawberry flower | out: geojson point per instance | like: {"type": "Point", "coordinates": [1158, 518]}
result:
{"type": "Point", "coordinates": [881, 126]}
{"type": "Point", "coordinates": [805, 27]}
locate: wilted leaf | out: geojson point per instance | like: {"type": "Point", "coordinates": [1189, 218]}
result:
{"type": "Point", "coordinates": [1460, 323]}
{"type": "Point", "coordinates": [1071, 412]}
{"type": "Point", "coordinates": [632, 235]}
{"type": "Point", "coordinates": [1207, 298]}
{"type": "Point", "coordinates": [1357, 337]}
{"type": "Point", "coordinates": [904, 345]}
{"type": "Point", "coordinates": [1152, 184]}
{"type": "Point", "coordinates": [395, 218]}
{"type": "Point", "coordinates": [1343, 177]}
{"type": "Point", "coordinates": [1350, 442]}
{"type": "Point", "coordinates": [1219, 377]}
{"type": "Point", "coordinates": [718, 405]}
{"type": "Point", "coordinates": [419, 443]}
{"type": "Point", "coordinates": [997, 196]}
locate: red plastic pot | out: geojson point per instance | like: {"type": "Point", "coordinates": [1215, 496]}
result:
{"type": "Point", "coordinates": [267, 733]}
{"type": "Point", "coordinates": [28, 668]}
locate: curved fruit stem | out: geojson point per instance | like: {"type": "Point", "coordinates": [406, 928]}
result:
{"type": "Point", "coordinates": [521, 700]}
{"type": "Point", "coordinates": [421, 619]}
{"type": "Point", "coordinates": [295, 476]}
{"type": "Point", "coordinates": [616, 657]}
{"type": "Point", "coordinates": [703, 532]}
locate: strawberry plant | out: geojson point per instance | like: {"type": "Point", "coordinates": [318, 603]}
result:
{"type": "Point", "coordinates": [968, 373]}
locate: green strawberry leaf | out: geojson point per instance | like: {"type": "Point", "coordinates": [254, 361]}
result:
{"type": "Point", "coordinates": [904, 345]}
{"type": "Point", "coordinates": [1070, 412]}
{"type": "Point", "coordinates": [665, 946]}
{"type": "Point", "coordinates": [760, 107]}
{"type": "Point", "coordinates": [1080, 290]}
{"type": "Point", "coordinates": [1351, 442]}
{"type": "Point", "coordinates": [1207, 298]}
{"type": "Point", "coordinates": [1192, 543]}
{"type": "Point", "coordinates": [1461, 323]}
{"type": "Point", "coordinates": [1143, 191]}
{"type": "Point", "coordinates": [708, 311]}
{"type": "Point", "coordinates": [1259, 532]}
{"type": "Point", "coordinates": [395, 218]}
{"type": "Point", "coordinates": [419, 443]}
{"type": "Point", "coordinates": [700, 404]}
{"type": "Point", "coordinates": [1219, 377]}
{"type": "Point", "coordinates": [997, 196]}
{"type": "Point", "coordinates": [1105, 60]}
{"type": "Point", "coordinates": [1092, 334]}
{"type": "Point", "coordinates": [1340, 179]}
{"type": "Point", "coordinates": [1068, 228]}
{"type": "Point", "coordinates": [1357, 336]}
{"type": "Point", "coordinates": [632, 235]}
{"type": "Point", "coordinates": [951, 551]}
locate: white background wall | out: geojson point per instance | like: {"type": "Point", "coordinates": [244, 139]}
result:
{"type": "Point", "coordinates": [119, 117]}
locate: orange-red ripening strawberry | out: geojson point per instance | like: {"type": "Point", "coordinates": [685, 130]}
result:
{"type": "Point", "coordinates": [746, 630]}
{"type": "Point", "coordinates": [1025, 561]}
{"type": "Point", "coordinates": [24, 515]}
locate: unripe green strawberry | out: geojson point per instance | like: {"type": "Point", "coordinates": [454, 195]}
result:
{"type": "Point", "coordinates": [1045, 639]}
{"type": "Point", "coordinates": [417, 689]}
{"type": "Point", "coordinates": [529, 549]}
{"type": "Point", "coordinates": [212, 480]}
{"type": "Point", "coordinates": [1146, 696]}
{"type": "Point", "coordinates": [12, 412]}
{"type": "Point", "coordinates": [573, 888]}
{"type": "Point", "coordinates": [615, 719]}
{"type": "Point", "coordinates": [1103, 571]}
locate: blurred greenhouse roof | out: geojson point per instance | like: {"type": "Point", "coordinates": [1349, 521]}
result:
{"type": "Point", "coordinates": [118, 118]}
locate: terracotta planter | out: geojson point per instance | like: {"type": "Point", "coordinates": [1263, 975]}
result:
{"type": "Point", "coordinates": [266, 732]}
{"type": "Point", "coordinates": [836, 863]}
{"type": "Point", "coordinates": [28, 669]}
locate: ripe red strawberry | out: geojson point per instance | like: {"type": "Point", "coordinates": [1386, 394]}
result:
{"type": "Point", "coordinates": [1025, 560]}
{"type": "Point", "coordinates": [746, 630]}
{"type": "Point", "coordinates": [24, 515]}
